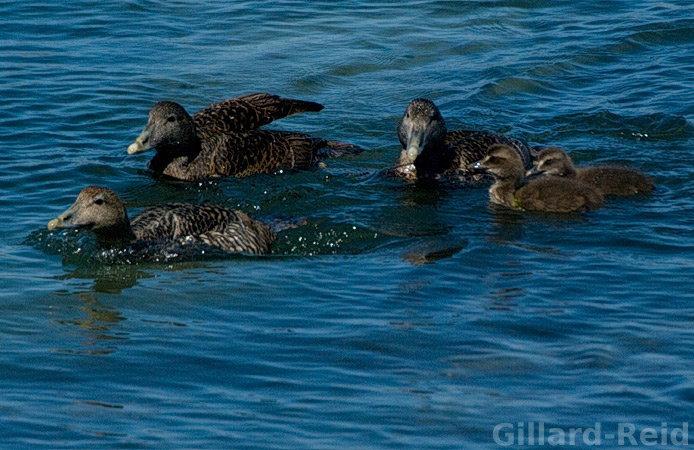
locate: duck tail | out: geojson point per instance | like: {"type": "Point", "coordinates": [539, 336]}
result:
{"type": "Point", "coordinates": [299, 106]}
{"type": "Point", "coordinates": [336, 149]}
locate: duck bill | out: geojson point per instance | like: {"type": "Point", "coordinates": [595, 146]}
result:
{"type": "Point", "coordinates": [414, 144]}
{"type": "Point", "coordinates": [142, 143]}
{"type": "Point", "coordinates": [532, 172]}
{"type": "Point", "coordinates": [65, 220]}
{"type": "Point", "coordinates": [477, 166]}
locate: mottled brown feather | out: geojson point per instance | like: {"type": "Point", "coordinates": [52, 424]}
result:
{"type": "Point", "coordinates": [224, 140]}
{"type": "Point", "coordinates": [246, 113]}
{"type": "Point", "coordinates": [471, 146]}
{"type": "Point", "coordinates": [101, 210]}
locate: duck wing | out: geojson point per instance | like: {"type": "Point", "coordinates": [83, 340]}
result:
{"type": "Point", "coordinates": [243, 236]}
{"type": "Point", "coordinates": [247, 112]}
{"type": "Point", "coordinates": [174, 220]}
{"type": "Point", "coordinates": [244, 154]}
{"type": "Point", "coordinates": [456, 135]}
{"type": "Point", "coordinates": [212, 225]}
{"type": "Point", "coordinates": [471, 146]}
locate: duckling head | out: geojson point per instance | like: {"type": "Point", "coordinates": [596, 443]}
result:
{"type": "Point", "coordinates": [552, 161]}
{"type": "Point", "coordinates": [502, 161]}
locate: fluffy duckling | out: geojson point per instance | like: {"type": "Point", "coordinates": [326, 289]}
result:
{"type": "Point", "coordinates": [100, 210]}
{"type": "Point", "coordinates": [433, 150]}
{"type": "Point", "coordinates": [224, 139]}
{"type": "Point", "coordinates": [547, 194]}
{"type": "Point", "coordinates": [610, 180]}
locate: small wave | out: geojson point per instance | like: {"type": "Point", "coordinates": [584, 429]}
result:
{"type": "Point", "coordinates": [81, 248]}
{"type": "Point", "coordinates": [657, 126]}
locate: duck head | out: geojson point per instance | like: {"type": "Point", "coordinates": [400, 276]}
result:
{"type": "Point", "coordinates": [553, 161]}
{"type": "Point", "coordinates": [502, 161]}
{"type": "Point", "coordinates": [169, 127]}
{"type": "Point", "coordinates": [98, 209]}
{"type": "Point", "coordinates": [421, 127]}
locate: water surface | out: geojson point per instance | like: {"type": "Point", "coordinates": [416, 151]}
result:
{"type": "Point", "coordinates": [399, 316]}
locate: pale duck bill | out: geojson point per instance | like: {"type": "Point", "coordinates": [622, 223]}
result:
{"type": "Point", "coordinates": [414, 145]}
{"type": "Point", "coordinates": [141, 144]}
{"type": "Point", "coordinates": [65, 219]}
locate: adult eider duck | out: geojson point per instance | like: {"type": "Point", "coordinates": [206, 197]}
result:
{"type": "Point", "coordinates": [429, 150]}
{"type": "Point", "coordinates": [610, 180]}
{"type": "Point", "coordinates": [100, 210]}
{"type": "Point", "coordinates": [224, 139]}
{"type": "Point", "coordinates": [547, 194]}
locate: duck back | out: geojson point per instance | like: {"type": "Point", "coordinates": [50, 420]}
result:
{"type": "Point", "coordinates": [614, 180]}
{"type": "Point", "coordinates": [204, 224]}
{"type": "Point", "coordinates": [552, 194]}
{"type": "Point", "coordinates": [471, 146]}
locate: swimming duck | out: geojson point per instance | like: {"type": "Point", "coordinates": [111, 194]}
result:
{"type": "Point", "coordinates": [224, 139]}
{"type": "Point", "coordinates": [548, 194]}
{"type": "Point", "coordinates": [610, 180]}
{"type": "Point", "coordinates": [432, 150]}
{"type": "Point", "coordinates": [100, 210]}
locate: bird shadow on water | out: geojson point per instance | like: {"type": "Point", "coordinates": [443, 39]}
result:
{"type": "Point", "coordinates": [98, 326]}
{"type": "Point", "coordinates": [108, 279]}
{"type": "Point", "coordinates": [416, 221]}
{"type": "Point", "coordinates": [510, 226]}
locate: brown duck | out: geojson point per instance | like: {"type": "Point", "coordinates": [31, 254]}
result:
{"type": "Point", "coordinates": [429, 149]}
{"type": "Point", "coordinates": [610, 180]}
{"type": "Point", "coordinates": [547, 194]}
{"type": "Point", "coordinates": [100, 210]}
{"type": "Point", "coordinates": [224, 139]}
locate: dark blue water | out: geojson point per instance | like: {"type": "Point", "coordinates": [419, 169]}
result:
{"type": "Point", "coordinates": [398, 316]}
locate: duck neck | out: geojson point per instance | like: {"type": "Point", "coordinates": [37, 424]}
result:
{"type": "Point", "coordinates": [189, 148]}
{"type": "Point", "coordinates": [503, 191]}
{"type": "Point", "coordinates": [115, 234]}
{"type": "Point", "coordinates": [436, 158]}
{"type": "Point", "coordinates": [569, 169]}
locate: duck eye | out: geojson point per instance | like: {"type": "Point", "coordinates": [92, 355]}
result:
{"type": "Point", "coordinates": [99, 201]}
{"type": "Point", "coordinates": [171, 119]}
{"type": "Point", "coordinates": [492, 159]}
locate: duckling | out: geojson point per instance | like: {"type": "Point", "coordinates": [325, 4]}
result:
{"type": "Point", "coordinates": [547, 194]}
{"type": "Point", "coordinates": [610, 180]}
{"type": "Point", "coordinates": [100, 210]}
{"type": "Point", "coordinates": [224, 139]}
{"type": "Point", "coordinates": [433, 150]}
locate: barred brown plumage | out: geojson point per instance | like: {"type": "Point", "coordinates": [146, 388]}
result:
{"type": "Point", "coordinates": [433, 150]}
{"type": "Point", "coordinates": [100, 210]}
{"type": "Point", "coordinates": [224, 139]}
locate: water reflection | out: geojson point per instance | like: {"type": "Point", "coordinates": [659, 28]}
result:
{"type": "Point", "coordinates": [96, 322]}
{"type": "Point", "coordinates": [108, 279]}
{"type": "Point", "coordinates": [434, 249]}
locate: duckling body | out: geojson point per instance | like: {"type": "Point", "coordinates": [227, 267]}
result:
{"type": "Point", "coordinates": [100, 210]}
{"type": "Point", "coordinates": [433, 150]}
{"type": "Point", "coordinates": [610, 180]}
{"type": "Point", "coordinates": [224, 139]}
{"type": "Point", "coordinates": [547, 194]}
